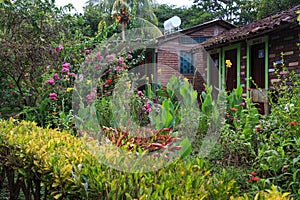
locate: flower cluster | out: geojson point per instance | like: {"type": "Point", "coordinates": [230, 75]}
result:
{"type": "Point", "coordinates": [123, 16]}
{"type": "Point", "coordinates": [59, 79]}
{"type": "Point", "coordinates": [253, 177]}
{"type": "Point", "coordinates": [228, 63]}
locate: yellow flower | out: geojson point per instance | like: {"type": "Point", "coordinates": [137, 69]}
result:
{"type": "Point", "coordinates": [186, 79]}
{"type": "Point", "coordinates": [118, 18]}
{"type": "Point", "coordinates": [129, 84]}
{"type": "Point", "coordinates": [159, 70]}
{"type": "Point", "coordinates": [228, 63]}
{"type": "Point", "coordinates": [69, 89]}
{"type": "Point", "coordinates": [88, 82]}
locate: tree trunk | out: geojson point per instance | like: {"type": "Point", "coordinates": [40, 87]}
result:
{"type": "Point", "coordinates": [123, 31]}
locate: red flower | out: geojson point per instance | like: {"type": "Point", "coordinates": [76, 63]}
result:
{"type": "Point", "coordinates": [233, 109]}
{"type": "Point", "coordinates": [293, 123]}
{"type": "Point", "coordinates": [255, 178]}
{"type": "Point", "coordinates": [258, 129]}
{"type": "Point", "coordinates": [109, 81]}
{"type": "Point", "coordinates": [249, 181]}
{"type": "Point", "coordinates": [253, 173]}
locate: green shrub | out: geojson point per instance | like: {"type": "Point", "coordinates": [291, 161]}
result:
{"type": "Point", "coordinates": [58, 165]}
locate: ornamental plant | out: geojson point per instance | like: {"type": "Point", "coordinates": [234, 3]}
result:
{"type": "Point", "coordinates": [46, 163]}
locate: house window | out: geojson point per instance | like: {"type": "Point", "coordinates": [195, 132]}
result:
{"type": "Point", "coordinates": [186, 63]}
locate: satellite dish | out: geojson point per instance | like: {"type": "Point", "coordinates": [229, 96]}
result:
{"type": "Point", "coordinates": [172, 23]}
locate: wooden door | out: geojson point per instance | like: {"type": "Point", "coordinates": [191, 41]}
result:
{"type": "Point", "coordinates": [231, 72]}
{"type": "Point", "coordinates": [257, 73]}
{"type": "Point", "coordinates": [257, 70]}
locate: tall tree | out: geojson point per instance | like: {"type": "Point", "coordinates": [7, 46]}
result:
{"type": "Point", "coordinates": [237, 11]}
{"type": "Point", "coordinates": [190, 16]}
{"type": "Point", "coordinates": [269, 7]}
{"type": "Point", "coordinates": [141, 11]}
{"type": "Point", "coordinates": [29, 32]}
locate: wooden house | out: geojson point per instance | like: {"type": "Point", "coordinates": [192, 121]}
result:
{"type": "Point", "coordinates": [172, 54]}
{"type": "Point", "coordinates": [256, 50]}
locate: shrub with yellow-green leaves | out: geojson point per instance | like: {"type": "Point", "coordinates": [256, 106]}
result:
{"type": "Point", "coordinates": [270, 194]}
{"type": "Point", "coordinates": [42, 155]}
{"type": "Point", "coordinates": [56, 165]}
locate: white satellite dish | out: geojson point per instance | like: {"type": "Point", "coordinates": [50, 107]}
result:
{"type": "Point", "coordinates": [172, 23]}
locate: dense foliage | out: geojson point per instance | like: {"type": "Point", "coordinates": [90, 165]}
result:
{"type": "Point", "coordinates": [43, 49]}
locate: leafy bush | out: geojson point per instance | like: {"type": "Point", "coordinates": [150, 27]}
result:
{"type": "Point", "coordinates": [58, 166]}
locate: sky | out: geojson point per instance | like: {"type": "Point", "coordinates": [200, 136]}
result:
{"type": "Point", "coordinates": [78, 4]}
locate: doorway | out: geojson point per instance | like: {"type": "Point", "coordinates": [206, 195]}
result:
{"type": "Point", "coordinates": [257, 63]}
{"type": "Point", "coordinates": [231, 72]}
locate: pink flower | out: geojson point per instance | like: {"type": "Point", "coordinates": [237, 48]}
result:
{"type": "Point", "coordinates": [118, 68]}
{"type": "Point", "coordinates": [242, 104]}
{"type": "Point", "coordinates": [129, 56]}
{"type": "Point", "coordinates": [98, 67]}
{"type": "Point", "coordinates": [140, 93]}
{"type": "Point", "coordinates": [50, 81]}
{"type": "Point", "coordinates": [98, 55]}
{"type": "Point", "coordinates": [148, 108]}
{"type": "Point", "coordinates": [55, 76]}
{"type": "Point", "coordinates": [121, 59]}
{"type": "Point", "coordinates": [87, 51]}
{"type": "Point", "coordinates": [53, 96]}
{"type": "Point", "coordinates": [90, 97]}
{"type": "Point", "coordinates": [59, 48]}
{"type": "Point", "coordinates": [72, 74]}
{"type": "Point", "coordinates": [65, 67]}
{"type": "Point", "coordinates": [110, 57]}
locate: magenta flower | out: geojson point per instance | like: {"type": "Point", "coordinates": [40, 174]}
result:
{"type": "Point", "coordinates": [87, 51]}
{"type": "Point", "coordinates": [53, 96]}
{"type": "Point", "coordinates": [72, 74]}
{"type": "Point", "coordinates": [55, 76]}
{"type": "Point", "coordinates": [148, 108]}
{"type": "Point", "coordinates": [140, 94]}
{"type": "Point", "coordinates": [65, 67]}
{"type": "Point", "coordinates": [59, 48]}
{"type": "Point", "coordinates": [50, 81]}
